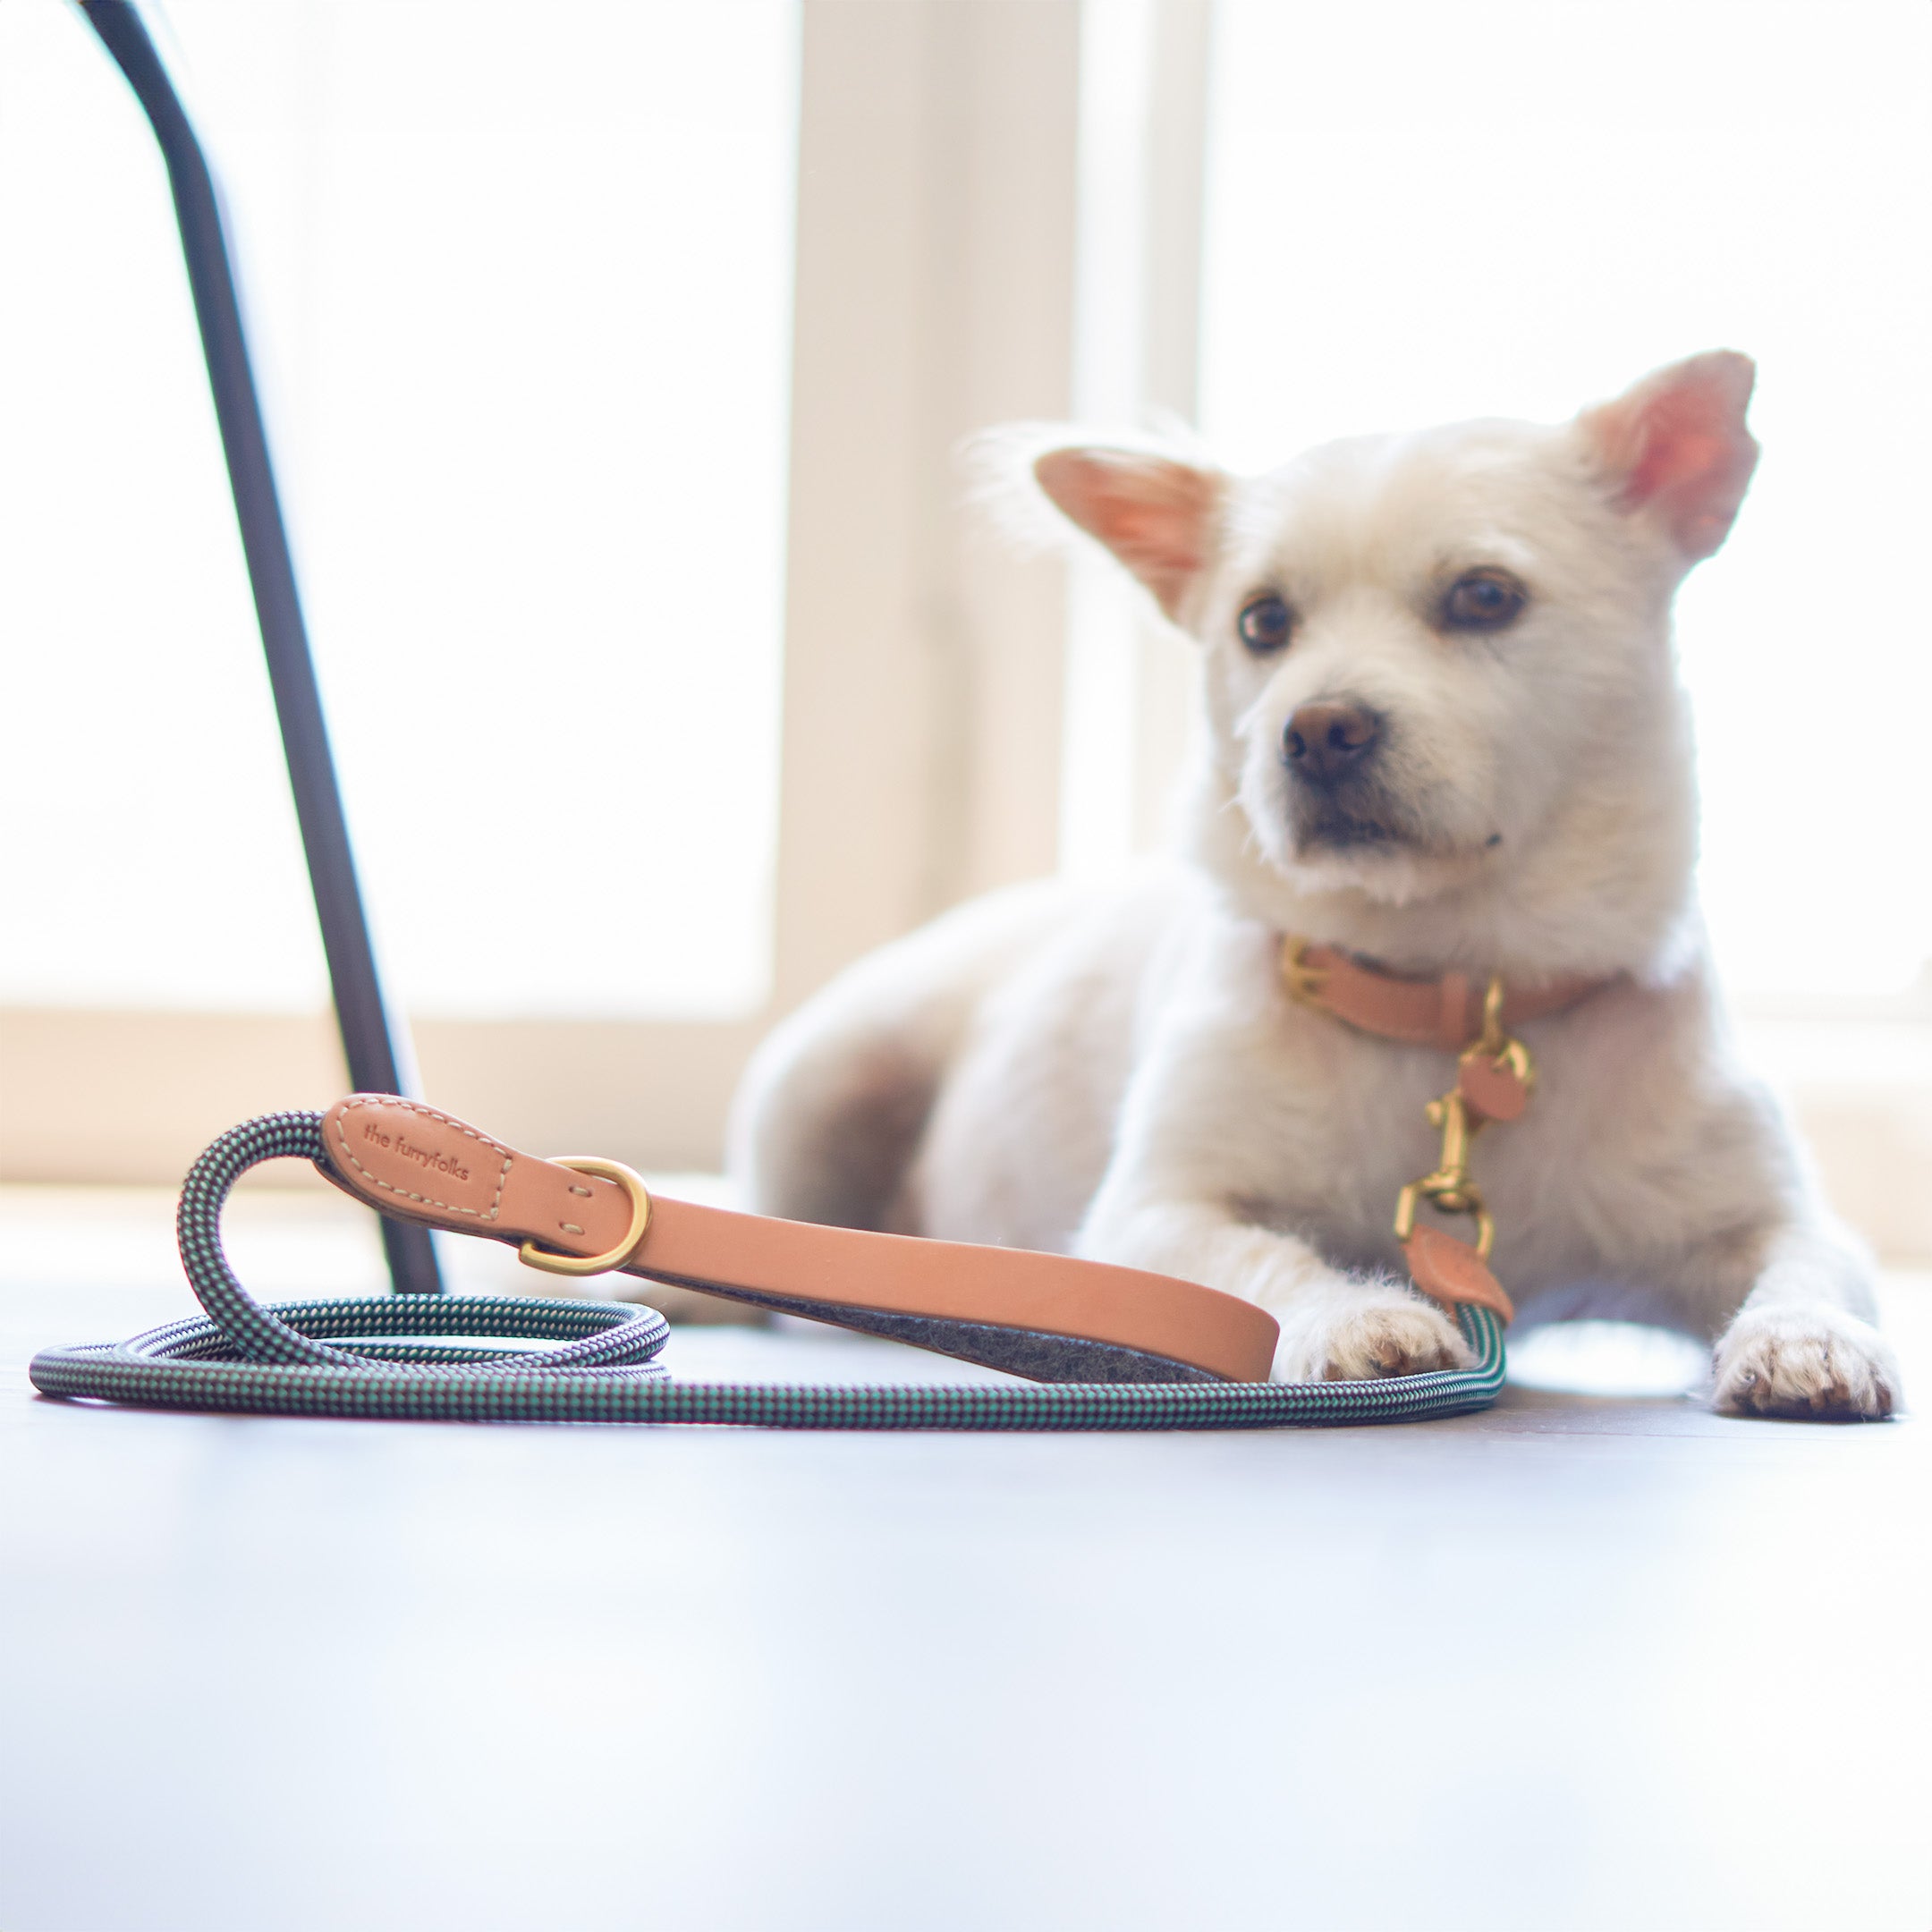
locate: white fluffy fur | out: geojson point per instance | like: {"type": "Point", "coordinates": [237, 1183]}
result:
{"type": "Point", "coordinates": [1120, 1074]}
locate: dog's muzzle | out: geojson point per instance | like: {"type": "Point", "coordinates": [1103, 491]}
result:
{"type": "Point", "coordinates": [1332, 751]}
{"type": "Point", "coordinates": [1327, 745]}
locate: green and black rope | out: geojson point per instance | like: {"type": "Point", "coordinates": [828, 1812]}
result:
{"type": "Point", "coordinates": [378, 1357]}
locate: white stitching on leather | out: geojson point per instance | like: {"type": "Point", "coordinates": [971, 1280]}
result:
{"type": "Point", "coordinates": [414, 1106]}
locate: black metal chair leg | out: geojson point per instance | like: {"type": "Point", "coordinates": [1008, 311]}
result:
{"type": "Point", "coordinates": [373, 1041]}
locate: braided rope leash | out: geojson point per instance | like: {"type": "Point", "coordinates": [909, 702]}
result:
{"type": "Point", "coordinates": [380, 1358]}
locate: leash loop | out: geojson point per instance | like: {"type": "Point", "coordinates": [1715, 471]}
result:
{"type": "Point", "coordinates": [417, 1357]}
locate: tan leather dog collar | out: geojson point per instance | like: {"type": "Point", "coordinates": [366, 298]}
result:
{"type": "Point", "coordinates": [1443, 1012]}
{"type": "Point", "coordinates": [1048, 1317]}
{"type": "Point", "coordinates": [1495, 1075]}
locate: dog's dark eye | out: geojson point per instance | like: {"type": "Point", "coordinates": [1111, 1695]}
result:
{"type": "Point", "coordinates": [1483, 600]}
{"type": "Point", "coordinates": [1266, 624]}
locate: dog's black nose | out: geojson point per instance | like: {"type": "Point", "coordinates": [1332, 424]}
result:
{"type": "Point", "coordinates": [1325, 743]}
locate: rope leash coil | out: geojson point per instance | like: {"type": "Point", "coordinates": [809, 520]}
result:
{"type": "Point", "coordinates": [380, 1358]}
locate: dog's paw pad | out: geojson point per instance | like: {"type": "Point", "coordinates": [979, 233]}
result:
{"type": "Point", "coordinates": [1809, 1365]}
{"type": "Point", "coordinates": [1399, 1338]}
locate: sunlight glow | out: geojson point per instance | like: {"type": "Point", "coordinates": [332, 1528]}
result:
{"type": "Point", "coordinates": [1506, 208]}
{"type": "Point", "coordinates": [520, 287]}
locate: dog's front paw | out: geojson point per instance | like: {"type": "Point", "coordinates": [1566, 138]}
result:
{"type": "Point", "coordinates": [1372, 1333]}
{"type": "Point", "coordinates": [1811, 1364]}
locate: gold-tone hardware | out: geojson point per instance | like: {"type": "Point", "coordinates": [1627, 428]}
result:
{"type": "Point", "coordinates": [1450, 1114]}
{"type": "Point", "coordinates": [1491, 1039]}
{"type": "Point", "coordinates": [1459, 1119]}
{"type": "Point", "coordinates": [531, 1255]}
{"type": "Point", "coordinates": [1466, 1202]}
{"type": "Point", "coordinates": [1496, 1047]}
{"type": "Point", "coordinates": [1448, 1187]}
{"type": "Point", "coordinates": [1516, 1055]}
{"type": "Point", "coordinates": [1304, 981]}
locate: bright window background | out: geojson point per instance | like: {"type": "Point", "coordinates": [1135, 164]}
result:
{"type": "Point", "coordinates": [520, 284]}
{"type": "Point", "coordinates": [1110, 383]}
{"type": "Point", "coordinates": [1417, 214]}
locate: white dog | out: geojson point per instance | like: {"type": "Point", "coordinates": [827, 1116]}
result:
{"type": "Point", "coordinates": [1444, 735]}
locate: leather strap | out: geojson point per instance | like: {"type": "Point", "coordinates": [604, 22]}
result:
{"type": "Point", "coordinates": [1443, 1013]}
{"type": "Point", "coordinates": [1049, 1317]}
{"type": "Point", "coordinates": [1494, 1075]}
{"type": "Point", "coordinates": [1450, 1271]}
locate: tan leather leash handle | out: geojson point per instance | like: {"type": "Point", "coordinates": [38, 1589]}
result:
{"type": "Point", "coordinates": [438, 1358]}
{"type": "Point", "coordinates": [1047, 1316]}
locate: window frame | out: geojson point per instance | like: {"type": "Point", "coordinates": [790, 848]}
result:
{"type": "Point", "coordinates": [922, 664]}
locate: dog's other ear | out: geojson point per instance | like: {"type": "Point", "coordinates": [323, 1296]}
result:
{"type": "Point", "coordinates": [1154, 512]}
{"type": "Point", "coordinates": [1676, 446]}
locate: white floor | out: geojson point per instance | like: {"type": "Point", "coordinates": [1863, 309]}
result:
{"type": "Point", "coordinates": [1597, 1661]}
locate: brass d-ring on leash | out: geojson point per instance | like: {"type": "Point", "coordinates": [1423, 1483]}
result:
{"type": "Point", "coordinates": [531, 1255]}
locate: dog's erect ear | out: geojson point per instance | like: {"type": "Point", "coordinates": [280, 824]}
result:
{"type": "Point", "coordinates": [1676, 446]}
{"type": "Point", "coordinates": [1153, 512]}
